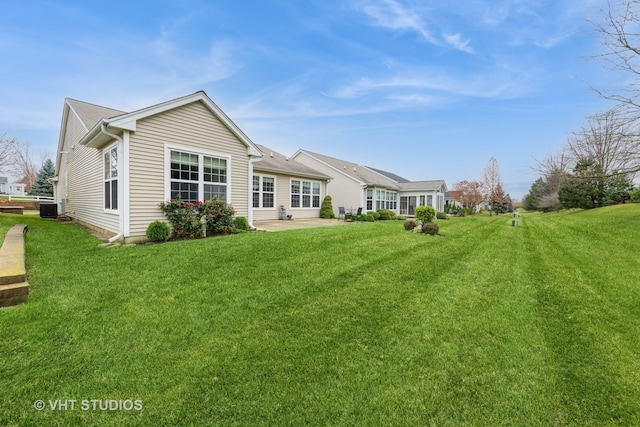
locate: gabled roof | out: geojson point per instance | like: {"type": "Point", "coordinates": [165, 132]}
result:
{"type": "Point", "coordinates": [95, 136]}
{"type": "Point", "coordinates": [361, 174]}
{"type": "Point", "coordinates": [90, 114]}
{"type": "Point", "coordinates": [273, 161]}
{"type": "Point", "coordinates": [390, 175]}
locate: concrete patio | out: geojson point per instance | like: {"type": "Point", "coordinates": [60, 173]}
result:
{"type": "Point", "coordinates": [282, 225]}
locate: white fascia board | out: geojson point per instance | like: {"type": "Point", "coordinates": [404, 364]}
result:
{"type": "Point", "coordinates": [128, 121]}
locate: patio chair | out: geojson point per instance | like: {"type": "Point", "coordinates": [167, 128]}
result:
{"type": "Point", "coordinates": [341, 212]}
{"type": "Point", "coordinates": [356, 216]}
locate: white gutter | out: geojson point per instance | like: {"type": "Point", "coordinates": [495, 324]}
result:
{"type": "Point", "coordinates": [103, 129]}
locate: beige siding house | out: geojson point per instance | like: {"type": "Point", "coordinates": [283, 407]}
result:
{"type": "Point", "coordinates": [280, 182]}
{"type": "Point", "coordinates": [354, 186]}
{"type": "Point", "coordinates": [115, 168]}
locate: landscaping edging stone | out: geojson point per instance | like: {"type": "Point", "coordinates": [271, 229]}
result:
{"type": "Point", "coordinates": [14, 288]}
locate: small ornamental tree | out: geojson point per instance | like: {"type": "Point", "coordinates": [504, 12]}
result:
{"type": "Point", "coordinates": [326, 210]}
{"type": "Point", "coordinates": [425, 214]}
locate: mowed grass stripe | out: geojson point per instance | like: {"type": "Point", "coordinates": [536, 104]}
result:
{"type": "Point", "coordinates": [585, 318]}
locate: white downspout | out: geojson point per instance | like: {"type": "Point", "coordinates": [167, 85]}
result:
{"type": "Point", "coordinates": [250, 193]}
{"type": "Point", "coordinates": [104, 130]}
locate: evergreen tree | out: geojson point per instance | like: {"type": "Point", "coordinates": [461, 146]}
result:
{"type": "Point", "coordinates": [326, 210]}
{"type": "Point", "coordinates": [583, 189]}
{"type": "Point", "coordinates": [499, 201]}
{"type": "Point", "coordinates": [42, 187]}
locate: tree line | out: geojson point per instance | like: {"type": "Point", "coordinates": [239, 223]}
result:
{"type": "Point", "coordinates": [599, 162]}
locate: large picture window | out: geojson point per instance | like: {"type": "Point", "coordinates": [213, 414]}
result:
{"type": "Point", "coordinates": [305, 194]}
{"type": "Point", "coordinates": [264, 190]}
{"type": "Point", "coordinates": [386, 200]}
{"type": "Point", "coordinates": [111, 179]}
{"type": "Point", "coordinates": [197, 177]}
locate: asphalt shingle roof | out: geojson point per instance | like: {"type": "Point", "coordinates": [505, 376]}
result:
{"type": "Point", "coordinates": [90, 114]}
{"type": "Point", "coordinates": [276, 162]}
{"type": "Point", "coordinates": [356, 171]}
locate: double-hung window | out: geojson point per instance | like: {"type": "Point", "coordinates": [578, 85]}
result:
{"type": "Point", "coordinates": [111, 179]}
{"type": "Point", "coordinates": [305, 194]}
{"type": "Point", "coordinates": [197, 176]}
{"type": "Point", "coordinates": [264, 191]}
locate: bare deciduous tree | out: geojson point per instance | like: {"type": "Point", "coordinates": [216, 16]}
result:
{"type": "Point", "coordinates": [620, 33]}
{"type": "Point", "coordinates": [16, 160]}
{"type": "Point", "coordinates": [23, 165]}
{"type": "Point", "coordinates": [609, 140]}
{"type": "Point", "coordinates": [7, 151]}
{"type": "Point", "coordinates": [491, 180]}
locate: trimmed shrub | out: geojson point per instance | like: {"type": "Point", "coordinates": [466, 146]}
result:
{"type": "Point", "coordinates": [374, 214]}
{"type": "Point", "coordinates": [385, 214]}
{"type": "Point", "coordinates": [425, 214]}
{"type": "Point", "coordinates": [441, 215]}
{"type": "Point", "coordinates": [410, 224]}
{"type": "Point", "coordinates": [369, 218]}
{"type": "Point", "coordinates": [430, 228]}
{"type": "Point", "coordinates": [326, 210]}
{"type": "Point", "coordinates": [400, 217]}
{"type": "Point", "coordinates": [158, 231]}
{"type": "Point", "coordinates": [241, 223]}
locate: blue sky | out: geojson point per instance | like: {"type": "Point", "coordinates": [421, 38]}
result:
{"type": "Point", "coordinates": [424, 89]}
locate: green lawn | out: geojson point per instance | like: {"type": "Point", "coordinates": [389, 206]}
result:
{"type": "Point", "coordinates": [366, 324]}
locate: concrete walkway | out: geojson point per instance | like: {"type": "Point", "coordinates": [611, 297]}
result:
{"type": "Point", "coordinates": [293, 224]}
{"type": "Point", "coordinates": [14, 288]}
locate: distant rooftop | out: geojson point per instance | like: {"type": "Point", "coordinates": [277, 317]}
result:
{"type": "Point", "coordinates": [389, 175]}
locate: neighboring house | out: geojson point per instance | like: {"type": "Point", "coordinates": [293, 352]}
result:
{"type": "Point", "coordinates": [115, 168]}
{"type": "Point", "coordinates": [353, 186]}
{"type": "Point", "coordinates": [12, 189]}
{"type": "Point", "coordinates": [281, 181]}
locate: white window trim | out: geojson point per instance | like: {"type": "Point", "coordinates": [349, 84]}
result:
{"type": "Point", "coordinates": [199, 152]}
{"type": "Point", "coordinates": [301, 180]}
{"type": "Point", "coordinates": [275, 183]}
{"type": "Point", "coordinates": [118, 178]}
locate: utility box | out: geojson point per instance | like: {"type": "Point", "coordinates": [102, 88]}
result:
{"type": "Point", "coordinates": [48, 210]}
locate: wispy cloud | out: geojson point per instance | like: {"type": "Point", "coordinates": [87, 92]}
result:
{"type": "Point", "coordinates": [458, 42]}
{"type": "Point", "coordinates": [493, 84]}
{"type": "Point", "coordinates": [391, 14]}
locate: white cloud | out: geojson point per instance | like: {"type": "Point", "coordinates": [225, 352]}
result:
{"type": "Point", "coordinates": [392, 15]}
{"type": "Point", "coordinates": [458, 43]}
